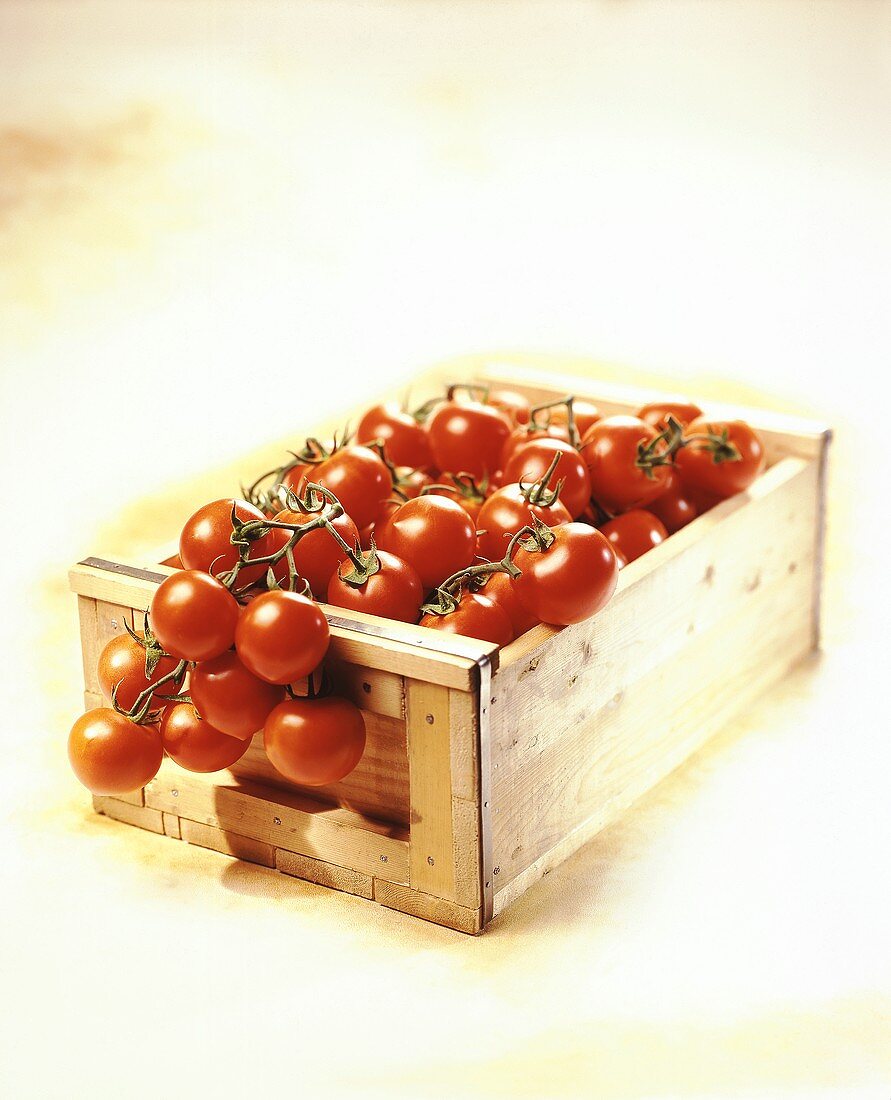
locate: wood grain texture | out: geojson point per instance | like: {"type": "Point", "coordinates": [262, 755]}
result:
{"type": "Point", "coordinates": [283, 819]}
{"type": "Point", "coordinates": [229, 843]}
{"type": "Point", "coordinates": [172, 826]}
{"type": "Point", "coordinates": [324, 874]}
{"type": "Point", "coordinates": [438, 910]}
{"type": "Point", "coordinates": [143, 817]}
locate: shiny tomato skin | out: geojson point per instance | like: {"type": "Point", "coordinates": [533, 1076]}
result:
{"type": "Point", "coordinates": [467, 437]}
{"type": "Point", "coordinates": [433, 534]}
{"type": "Point", "coordinates": [316, 555]}
{"type": "Point", "coordinates": [584, 414]}
{"type": "Point", "coordinates": [111, 755]}
{"type": "Point", "coordinates": [122, 661]}
{"type": "Point", "coordinates": [359, 480]}
{"type": "Point", "coordinates": [609, 449]}
{"type": "Point", "coordinates": [513, 404]}
{"type": "Point", "coordinates": [411, 481]}
{"type": "Point", "coordinates": [405, 440]}
{"type": "Point", "coordinates": [523, 434]}
{"type": "Point", "coordinates": [477, 616]}
{"type": "Point", "coordinates": [230, 697]}
{"type": "Point", "coordinates": [500, 589]}
{"type": "Point", "coordinates": [315, 742]}
{"type": "Point", "coordinates": [634, 533]}
{"type": "Point", "coordinates": [194, 744]}
{"type": "Point", "coordinates": [395, 592]}
{"type": "Point", "coordinates": [531, 461]}
{"type": "Point", "coordinates": [508, 511]}
{"type": "Point", "coordinates": [675, 507]}
{"type": "Point", "coordinates": [571, 580]}
{"type": "Point", "coordinates": [204, 542]}
{"type": "Point", "coordinates": [658, 412]}
{"type": "Point", "coordinates": [281, 637]}
{"type": "Point", "coordinates": [193, 616]}
{"type": "Point", "coordinates": [700, 473]}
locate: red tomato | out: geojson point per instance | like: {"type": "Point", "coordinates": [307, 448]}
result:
{"type": "Point", "coordinates": [315, 741]}
{"type": "Point", "coordinates": [316, 555]}
{"type": "Point", "coordinates": [675, 507]}
{"type": "Point", "coordinates": [410, 482]}
{"type": "Point", "coordinates": [570, 580]}
{"type": "Point", "coordinates": [464, 491]}
{"type": "Point", "coordinates": [405, 440]}
{"type": "Point", "coordinates": [193, 616]}
{"type": "Point", "coordinates": [524, 434]}
{"type": "Point", "coordinates": [395, 591]}
{"type": "Point", "coordinates": [476, 617]}
{"type": "Point", "coordinates": [634, 533]}
{"type": "Point", "coordinates": [433, 534]}
{"type": "Point", "coordinates": [122, 664]}
{"type": "Point", "coordinates": [359, 480]}
{"type": "Point", "coordinates": [230, 697]}
{"type": "Point", "coordinates": [205, 540]}
{"type": "Point", "coordinates": [531, 461]}
{"type": "Point", "coordinates": [281, 637]}
{"type": "Point", "coordinates": [610, 449]}
{"type": "Point", "coordinates": [584, 414]}
{"type": "Point", "coordinates": [112, 755]}
{"type": "Point", "coordinates": [467, 437]}
{"type": "Point", "coordinates": [514, 404]}
{"type": "Point", "coordinates": [658, 412]}
{"type": "Point", "coordinates": [194, 744]}
{"type": "Point", "coordinates": [706, 466]}
{"type": "Point", "coordinates": [500, 589]}
{"type": "Point", "coordinates": [507, 511]}
{"type": "Point", "coordinates": [387, 508]}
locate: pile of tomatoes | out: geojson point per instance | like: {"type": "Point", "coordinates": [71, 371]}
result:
{"type": "Point", "coordinates": [477, 514]}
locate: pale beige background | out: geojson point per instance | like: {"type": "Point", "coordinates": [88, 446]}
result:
{"type": "Point", "coordinates": [217, 220]}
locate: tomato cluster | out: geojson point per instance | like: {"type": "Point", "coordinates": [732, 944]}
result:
{"type": "Point", "coordinates": [477, 514]}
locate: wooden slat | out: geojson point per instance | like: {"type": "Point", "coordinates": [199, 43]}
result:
{"type": "Point", "coordinates": [324, 874]}
{"type": "Point", "coordinates": [172, 826]}
{"type": "Point", "coordinates": [464, 737]}
{"type": "Point", "coordinates": [466, 851]}
{"type": "Point", "coordinates": [429, 763]}
{"type": "Point", "coordinates": [283, 819]}
{"type": "Point", "coordinates": [89, 641]}
{"type": "Point", "coordinates": [141, 816]}
{"type": "Point", "coordinates": [370, 689]}
{"type": "Point", "coordinates": [437, 910]}
{"type": "Point", "coordinates": [229, 843]}
{"type": "Point", "coordinates": [378, 786]}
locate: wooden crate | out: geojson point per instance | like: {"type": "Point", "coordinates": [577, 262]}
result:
{"type": "Point", "coordinates": [485, 768]}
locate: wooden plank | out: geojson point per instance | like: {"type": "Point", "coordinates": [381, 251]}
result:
{"type": "Point", "coordinates": [141, 816]}
{"type": "Point", "coordinates": [466, 852]}
{"type": "Point", "coordinates": [612, 751]}
{"type": "Point", "coordinates": [283, 819]}
{"type": "Point", "coordinates": [429, 763]}
{"type": "Point", "coordinates": [377, 787]}
{"type": "Point", "coordinates": [229, 843]}
{"type": "Point", "coordinates": [324, 874]}
{"type": "Point", "coordinates": [172, 826]}
{"type": "Point", "coordinates": [783, 435]}
{"type": "Point", "coordinates": [464, 747]}
{"type": "Point", "coordinates": [89, 641]}
{"type": "Point", "coordinates": [370, 689]}
{"type": "Point", "coordinates": [434, 909]}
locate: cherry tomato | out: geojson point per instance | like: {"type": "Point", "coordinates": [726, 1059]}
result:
{"type": "Point", "coordinates": [405, 440]}
{"type": "Point", "coordinates": [531, 461]}
{"type": "Point", "coordinates": [610, 450]}
{"type": "Point", "coordinates": [387, 508]}
{"type": "Point", "coordinates": [315, 741]}
{"type": "Point", "coordinates": [194, 744]}
{"type": "Point", "coordinates": [467, 437]}
{"type": "Point", "coordinates": [281, 637]}
{"type": "Point", "coordinates": [675, 507]}
{"type": "Point", "coordinates": [500, 589]}
{"type": "Point", "coordinates": [571, 580]}
{"type": "Point", "coordinates": [464, 490]}
{"type": "Point", "coordinates": [514, 404]}
{"type": "Point", "coordinates": [122, 663]}
{"type": "Point", "coordinates": [658, 412]}
{"type": "Point", "coordinates": [296, 477]}
{"type": "Point", "coordinates": [410, 482]}
{"type": "Point", "coordinates": [193, 616]}
{"type": "Point", "coordinates": [395, 591]}
{"type": "Point", "coordinates": [359, 480]}
{"type": "Point", "coordinates": [584, 414]}
{"type": "Point", "coordinates": [634, 533]}
{"type": "Point", "coordinates": [316, 555]}
{"type": "Point", "coordinates": [507, 511]}
{"type": "Point", "coordinates": [477, 616]}
{"type": "Point", "coordinates": [205, 540]}
{"type": "Point", "coordinates": [230, 697]}
{"type": "Point", "coordinates": [433, 534]}
{"type": "Point", "coordinates": [112, 755]}
{"type": "Point", "coordinates": [701, 464]}
{"type": "Point", "coordinates": [524, 434]}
